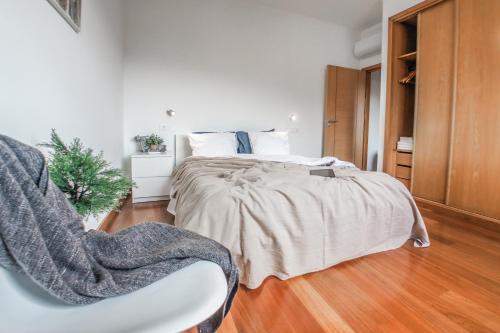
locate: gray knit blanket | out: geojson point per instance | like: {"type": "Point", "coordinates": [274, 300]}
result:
{"type": "Point", "coordinates": [43, 237]}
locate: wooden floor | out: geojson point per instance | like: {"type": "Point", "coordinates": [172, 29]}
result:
{"type": "Point", "coordinates": [452, 286]}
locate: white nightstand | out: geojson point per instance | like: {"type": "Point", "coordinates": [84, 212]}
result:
{"type": "Point", "coordinates": [151, 174]}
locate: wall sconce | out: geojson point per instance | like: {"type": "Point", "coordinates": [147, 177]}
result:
{"type": "Point", "coordinates": [293, 117]}
{"type": "Point", "coordinates": [170, 113]}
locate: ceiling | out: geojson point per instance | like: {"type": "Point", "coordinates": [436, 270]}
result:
{"type": "Point", "coordinates": [356, 14]}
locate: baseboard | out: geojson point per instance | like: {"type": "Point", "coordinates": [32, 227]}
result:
{"type": "Point", "coordinates": [477, 219]}
{"type": "Point", "coordinates": [149, 199]}
{"type": "Point", "coordinates": [106, 223]}
{"type": "Point", "coordinates": [108, 220]}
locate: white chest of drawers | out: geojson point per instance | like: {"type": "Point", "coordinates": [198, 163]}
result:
{"type": "Point", "coordinates": [151, 175]}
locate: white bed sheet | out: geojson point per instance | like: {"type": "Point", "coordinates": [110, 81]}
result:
{"type": "Point", "coordinates": [301, 160]}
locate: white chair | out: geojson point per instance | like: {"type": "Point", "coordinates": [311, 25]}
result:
{"type": "Point", "coordinates": [175, 303]}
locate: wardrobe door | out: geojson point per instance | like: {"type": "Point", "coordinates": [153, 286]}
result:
{"type": "Point", "coordinates": [435, 68]}
{"type": "Point", "coordinates": [475, 162]}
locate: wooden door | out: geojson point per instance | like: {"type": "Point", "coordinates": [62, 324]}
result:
{"type": "Point", "coordinates": [475, 162]}
{"type": "Point", "coordinates": [344, 114]}
{"type": "Point", "coordinates": [434, 100]}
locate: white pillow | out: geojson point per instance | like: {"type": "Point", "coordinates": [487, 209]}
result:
{"type": "Point", "coordinates": [269, 143]}
{"type": "Point", "coordinates": [213, 144]}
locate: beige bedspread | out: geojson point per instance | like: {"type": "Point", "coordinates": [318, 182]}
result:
{"type": "Point", "coordinates": [278, 220]}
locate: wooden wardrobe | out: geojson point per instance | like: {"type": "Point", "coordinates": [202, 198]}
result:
{"type": "Point", "coordinates": [452, 107]}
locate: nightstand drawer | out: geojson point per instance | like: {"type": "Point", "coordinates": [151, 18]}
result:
{"type": "Point", "coordinates": [151, 187]}
{"type": "Point", "coordinates": [158, 166]}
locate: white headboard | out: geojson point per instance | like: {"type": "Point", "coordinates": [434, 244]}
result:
{"type": "Point", "coordinates": [182, 148]}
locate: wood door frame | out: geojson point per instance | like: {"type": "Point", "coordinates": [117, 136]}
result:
{"type": "Point", "coordinates": [366, 123]}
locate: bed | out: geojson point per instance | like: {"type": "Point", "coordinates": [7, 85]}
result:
{"type": "Point", "coordinates": [279, 220]}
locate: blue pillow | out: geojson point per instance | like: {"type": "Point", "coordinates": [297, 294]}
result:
{"type": "Point", "coordinates": [244, 146]}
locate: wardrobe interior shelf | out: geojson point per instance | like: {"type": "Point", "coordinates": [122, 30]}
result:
{"type": "Point", "coordinates": [412, 56]}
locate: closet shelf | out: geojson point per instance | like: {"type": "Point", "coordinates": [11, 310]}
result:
{"type": "Point", "coordinates": [412, 56]}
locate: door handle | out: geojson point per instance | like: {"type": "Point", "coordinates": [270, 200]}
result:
{"type": "Point", "coordinates": [329, 122]}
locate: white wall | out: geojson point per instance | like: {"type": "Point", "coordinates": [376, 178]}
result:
{"type": "Point", "coordinates": [52, 77]}
{"type": "Point", "coordinates": [370, 39]}
{"type": "Point", "coordinates": [390, 8]}
{"type": "Point", "coordinates": [373, 122]}
{"type": "Point", "coordinates": [225, 65]}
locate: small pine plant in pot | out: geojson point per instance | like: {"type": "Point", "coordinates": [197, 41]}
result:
{"type": "Point", "coordinates": [89, 182]}
{"type": "Point", "coordinates": [153, 142]}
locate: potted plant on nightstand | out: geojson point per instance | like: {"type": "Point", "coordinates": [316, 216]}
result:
{"type": "Point", "coordinates": [154, 142]}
